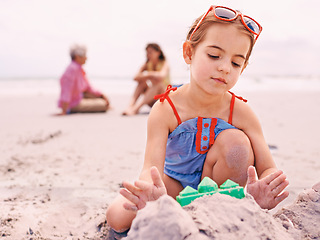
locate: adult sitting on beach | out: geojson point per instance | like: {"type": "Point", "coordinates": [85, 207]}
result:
{"type": "Point", "coordinates": [77, 95]}
{"type": "Point", "coordinates": [152, 78]}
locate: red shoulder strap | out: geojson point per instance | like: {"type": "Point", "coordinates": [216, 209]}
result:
{"type": "Point", "coordinates": [233, 97]}
{"type": "Point", "coordinates": [164, 96]}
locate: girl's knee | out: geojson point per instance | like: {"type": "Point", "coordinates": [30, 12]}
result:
{"type": "Point", "coordinates": [112, 219]}
{"type": "Point", "coordinates": [237, 150]}
{"type": "Point", "coordinates": [229, 157]}
{"type": "Point", "coordinates": [232, 157]}
{"type": "Point", "coordinates": [117, 217]}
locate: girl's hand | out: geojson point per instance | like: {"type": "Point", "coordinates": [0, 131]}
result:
{"type": "Point", "coordinates": [142, 191]}
{"type": "Point", "coordinates": [268, 191]}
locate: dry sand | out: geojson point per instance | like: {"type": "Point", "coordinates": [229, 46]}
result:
{"type": "Point", "coordinates": [58, 174]}
{"type": "Point", "coordinates": [223, 217]}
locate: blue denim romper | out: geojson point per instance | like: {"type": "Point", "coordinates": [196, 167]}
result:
{"type": "Point", "coordinates": [188, 144]}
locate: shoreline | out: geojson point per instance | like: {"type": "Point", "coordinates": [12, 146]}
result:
{"type": "Point", "coordinates": [125, 86]}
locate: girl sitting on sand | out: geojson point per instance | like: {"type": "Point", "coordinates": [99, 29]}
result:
{"type": "Point", "coordinates": [152, 78]}
{"type": "Point", "coordinates": [202, 129]}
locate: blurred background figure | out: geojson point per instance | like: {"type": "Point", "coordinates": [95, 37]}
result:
{"type": "Point", "coordinates": [77, 95]}
{"type": "Point", "coordinates": [152, 79]}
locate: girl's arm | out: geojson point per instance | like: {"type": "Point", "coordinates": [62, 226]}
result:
{"type": "Point", "coordinates": [268, 188]}
{"type": "Point", "coordinates": [157, 136]}
{"type": "Point", "coordinates": [150, 185]}
{"type": "Point", "coordinates": [246, 120]}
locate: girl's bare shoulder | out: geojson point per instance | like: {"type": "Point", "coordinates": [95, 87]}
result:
{"type": "Point", "coordinates": [162, 111]}
{"type": "Point", "coordinates": [243, 115]}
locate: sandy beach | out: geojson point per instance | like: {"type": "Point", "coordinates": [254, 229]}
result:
{"type": "Point", "coordinates": [58, 174]}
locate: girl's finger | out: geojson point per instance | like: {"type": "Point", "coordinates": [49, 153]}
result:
{"type": "Point", "coordinates": [128, 195]}
{"type": "Point", "coordinates": [281, 197]}
{"type": "Point", "coordinates": [268, 179]}
{"type": "Point", "coordinates": [252, 175]}
{"type": "Point", "coordinates": [133, 189]}
{"type": "Point", "coordinates": [277, 181]}
{"type": "Point", "coordinates": [130, 207]}
{"type": "Point", "coordinates": [278, 189]}
{"type": "Point", "coordinates": [142, 185]}
{"type": "Point", "coordinates": [156, 178]}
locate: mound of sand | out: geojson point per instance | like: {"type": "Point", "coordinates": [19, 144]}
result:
{"type": "Point", "coordinates": [164, 219]}
{"type": "Point", "coordinates": [304, 213]}
{"type": "Point", "coordinates": [224, 217]}
{"type": "Point", "coordinates": [210, 217]}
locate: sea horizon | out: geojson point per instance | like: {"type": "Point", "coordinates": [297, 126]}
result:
{"type": "Point", "coordinates": [125, 84]}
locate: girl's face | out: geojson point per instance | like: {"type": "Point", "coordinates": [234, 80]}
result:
{"type": "Point", "coordinates": [152, 54]}
{"type": "Point", "coordinates": [217, 62]}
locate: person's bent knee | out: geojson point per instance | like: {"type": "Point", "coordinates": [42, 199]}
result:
{"type": "Point", "coordinates": [116, 220]}
{"type": "Point", "coordinates": [238, 160]}
{"type": "Point", "coordinates": [229, 157]}
{"type": "Point", "coordinates": [238, 152]}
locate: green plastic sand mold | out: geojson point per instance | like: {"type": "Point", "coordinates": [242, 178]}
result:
{"type": "Point", "coordinates": [208, 187]}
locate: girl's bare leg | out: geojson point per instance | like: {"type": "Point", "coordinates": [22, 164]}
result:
{"type": "Point", "coordinates": [229, 158]}
{"type": "Point", "coordinates": [118, 217]}
{"type": "Point", "coordinates": [173, 186]}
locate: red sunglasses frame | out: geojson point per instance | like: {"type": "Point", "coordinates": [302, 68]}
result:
{"type": "Point", "coordinates": [237, 13]}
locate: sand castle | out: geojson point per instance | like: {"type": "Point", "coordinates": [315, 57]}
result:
{"type": "Point", "coordinates": [208, 187]}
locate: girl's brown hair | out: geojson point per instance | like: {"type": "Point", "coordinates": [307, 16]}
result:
{"type": "Point", "coordinates": [210, 19]}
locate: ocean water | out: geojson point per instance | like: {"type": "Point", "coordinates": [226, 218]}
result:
{"type": "Point", "coordinates": [50, 86]}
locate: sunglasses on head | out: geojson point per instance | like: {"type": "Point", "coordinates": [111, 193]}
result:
{"type": "Point", "coordinates": [228, 14]}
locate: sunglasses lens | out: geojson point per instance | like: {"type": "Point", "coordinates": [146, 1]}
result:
{"type": "Point", "coordinates": [252, 25]}
{"type": "Point", "coordinates": [224, 13]}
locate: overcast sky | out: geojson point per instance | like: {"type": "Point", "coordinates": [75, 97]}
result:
{"type": "Point", "coordinates": [36, 35]}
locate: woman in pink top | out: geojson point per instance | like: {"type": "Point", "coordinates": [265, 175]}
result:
{"type": "Point", "coordinates": [77, 95]}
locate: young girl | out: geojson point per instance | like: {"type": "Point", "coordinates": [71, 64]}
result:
{"type": "Point", "coordinates": [152, 78]}
{"type": "Point", "coordinates": [201, 129]}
